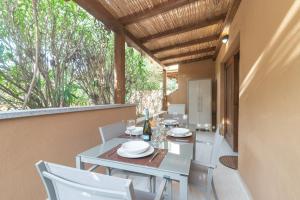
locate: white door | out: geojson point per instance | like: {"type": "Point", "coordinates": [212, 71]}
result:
{"type": "Point", "coordinates": [199, 99]}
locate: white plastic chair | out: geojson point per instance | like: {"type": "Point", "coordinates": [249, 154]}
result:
{"type": "Point", "coordinates": [114, 130]}
{"type": "Point", "coordinates": [176, 108]}
{"type": "Point", "coordinates": [66, 183]}
{"type": "Point", "coordinates": [111, 131]}
{"type": "Point", "coordinates": [218, 139]}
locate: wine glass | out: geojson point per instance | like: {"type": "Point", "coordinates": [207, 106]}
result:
{"type": "Point", "coordinates": [174, 115]}
{"type": "Point", "coordinates": [130, 126]}
{"type": "Point", "coordinates": [185, 120]}
{"type": "Point", "coordinates": [199, 127]}
{"type": "Point", "coordinates": [207, 127]}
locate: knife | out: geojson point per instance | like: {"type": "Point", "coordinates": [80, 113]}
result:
{"type": "Point", "coordinates": [154, 156]}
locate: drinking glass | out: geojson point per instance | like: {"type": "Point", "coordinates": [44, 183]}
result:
{"type": "Point", "coordinates": [130, 126]}
{"type": "Point", "coordinates": [163, 133]}
{"type": "Point", "coordinates": [155, 136]}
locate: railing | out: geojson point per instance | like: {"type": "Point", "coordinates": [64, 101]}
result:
{"type": "Point", "coordinates": [55, 135]}
{"type": "Point", "coordinates": [140, 120]}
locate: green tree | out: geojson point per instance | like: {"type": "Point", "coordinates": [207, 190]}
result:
{"type": "Point", "coordinates": [54, 54]}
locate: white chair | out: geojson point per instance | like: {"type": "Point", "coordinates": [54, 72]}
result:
{"type": "Point", "coordinates": [176, 108]}
{"type": "Point", "coordinates": [111, 131]}
{"type": "Point", "coordinates": [212, 164]}
{"type": "Point", "coordinates": [66, 183]}
{"type": "Point", "coordinates": [114, 130]}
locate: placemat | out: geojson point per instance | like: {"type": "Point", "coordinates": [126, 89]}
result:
{"type": "Point", "coordinates": [113, 155]}
{"type": "Point", "coordinates": [190, 139]}
{"type": "Point", "coordinates": [126, 136]}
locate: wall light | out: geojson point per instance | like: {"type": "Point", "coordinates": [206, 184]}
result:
{"type": "Point", "coordinates": [225, 39]}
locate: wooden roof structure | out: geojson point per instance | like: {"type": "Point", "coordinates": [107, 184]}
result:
{"type": "Point", "coordinates": [172, 74]}
{"type": "Point", "coordinates": [169, 31]}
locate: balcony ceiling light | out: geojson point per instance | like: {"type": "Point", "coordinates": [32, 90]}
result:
{"type": "Point", "coordinates": [225, 39]}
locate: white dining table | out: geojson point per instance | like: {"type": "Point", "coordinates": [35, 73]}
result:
{"type": "Point", "coordinates": [174, 166]}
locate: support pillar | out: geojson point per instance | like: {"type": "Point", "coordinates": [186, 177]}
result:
{"type": "Point", "coordinates": [119, 68]}
{"type": "Point", "coordinates": [164, 101]}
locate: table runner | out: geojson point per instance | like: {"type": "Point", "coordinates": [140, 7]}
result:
{"type": "Point", "coordinates": [113, 155]}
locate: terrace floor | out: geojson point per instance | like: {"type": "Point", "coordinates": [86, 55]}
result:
{"type": "Point", "coordinates": [227, 181]}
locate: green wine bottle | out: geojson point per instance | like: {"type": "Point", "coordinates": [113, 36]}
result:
{"type": "Point", "coordinates": [147, 132]}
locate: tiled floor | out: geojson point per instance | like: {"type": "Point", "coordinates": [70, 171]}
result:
{"type": "Point", "coordinates": [227, 181]}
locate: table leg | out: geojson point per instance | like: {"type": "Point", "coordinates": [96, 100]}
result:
{"type": "Point", "coordinates": [169, 190]}
{"type": "Point", "coordinates": [152, 184]}
{"type": "Point", "coordinates": [183, 184]}
{"type": "Point", "coordinates": [194, 151]}
{"type": "Point", "coordinates": [79, 164]}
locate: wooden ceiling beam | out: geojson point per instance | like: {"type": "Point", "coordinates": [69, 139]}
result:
{"type": "Point", "coordinates": [229, 17]}
{"type": "Point", "coordinates": [186, 44]}
{"type": "Point", "coordinates": [185, 28]}
{"type": "Point", "coordinates": [156, 10]}
{"type": "Point", "coordinates": [191, 53]}
{"type": "Point", "coordinates": [190, 60]}
{"type": "Point", "coordinates": [95, 8]}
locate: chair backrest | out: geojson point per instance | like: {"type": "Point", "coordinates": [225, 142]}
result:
{"type": "Point", "coordinates": [65, 183]}
{"type": "Point", "coordinates": [112, 131]}
{"type": "Point", "coordinates": [216, 147]}
{"type": "Point", "coordinates": [176, 108]}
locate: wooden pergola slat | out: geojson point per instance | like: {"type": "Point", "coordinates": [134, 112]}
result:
{"type": "Point", "coordinates": [95, 8]}
{"type": "Point", "coordinates": [156, 10]}
{"type": "Point", "coordinates": [186, 28]}
{"type": "Point", "coordinates": [186, 44]}
{"type": "Point", "coordinates": [190, 60]}
{"type": "Point", "coordinates": [191, 53]}
{"type": "Point", "coordinates": [229, 17]}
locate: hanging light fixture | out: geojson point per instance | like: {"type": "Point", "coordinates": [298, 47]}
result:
{"type": "Point", "coordinates": [225, 39]}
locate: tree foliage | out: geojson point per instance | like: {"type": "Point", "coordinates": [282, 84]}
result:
{"type": "Point", "coordinates": [64, 54]}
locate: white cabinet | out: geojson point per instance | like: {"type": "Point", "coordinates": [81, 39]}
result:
{"type": "Point", "coordinates": [200, 101]}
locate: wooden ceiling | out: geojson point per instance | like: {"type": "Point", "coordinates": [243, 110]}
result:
{"type": "Point", "coordinates": [169, 31]}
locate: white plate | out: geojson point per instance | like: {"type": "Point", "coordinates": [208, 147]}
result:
{"type": "Point", "coordinates": [170, 122]}
{"type": "Point", "coordinates": [179, 136]}
{"type": "Point", "coordinates": [179, 131]}
{"type": "Point", "coordinates": [135, 147]}
{"type": "Point", "coordinates": [136, 131]}
{"type": "Point", "coordinates": [123, 153]}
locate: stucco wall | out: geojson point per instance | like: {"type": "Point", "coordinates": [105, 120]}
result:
{"type": "Point", "coordinates": [56, 138]}
{"type": "Point", "coordinates": [269, 112]}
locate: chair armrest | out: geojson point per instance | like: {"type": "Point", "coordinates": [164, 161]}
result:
{"type": "Point", "coordinates": [160, 191]}
{"type": "Point", "coordinates": [92, 168]}
{"type": "Point", "coordinates": [208, 165]}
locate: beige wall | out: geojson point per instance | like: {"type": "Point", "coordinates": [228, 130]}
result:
{"type": "Point", "coordinates": [56, 138]}
{"type": "Point", "coordinates": [269, 112]}
{"type": "Point", "coordinates": [226, 51]}
{"type": "Point", "coordinates": [192, 71]}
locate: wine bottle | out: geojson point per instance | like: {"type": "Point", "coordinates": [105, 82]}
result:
{"type": "Point", "coordinates": [147, 132]}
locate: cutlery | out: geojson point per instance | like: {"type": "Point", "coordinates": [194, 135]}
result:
{"type": "Point", "coordinates": [154, 156]}
{"type": "Point", "coordinates": [178, 140]}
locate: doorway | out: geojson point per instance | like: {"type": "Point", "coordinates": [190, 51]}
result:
{"type": "Point", "coordinates": [231, 100]}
